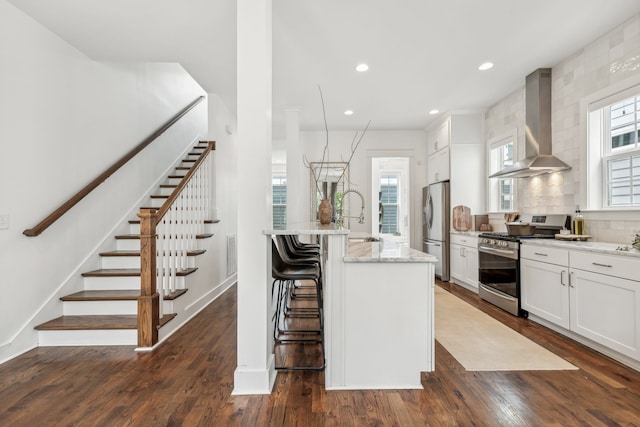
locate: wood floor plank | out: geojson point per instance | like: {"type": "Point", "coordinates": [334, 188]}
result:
{"type": "Point", "coordinates": [189, 380]}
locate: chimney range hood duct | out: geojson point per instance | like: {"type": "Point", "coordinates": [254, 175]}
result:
{"type": "Point", "coordinates": [539, 159]}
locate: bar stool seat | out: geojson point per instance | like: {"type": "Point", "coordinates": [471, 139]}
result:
{"type": "Point", "coordinates": [285, 274]}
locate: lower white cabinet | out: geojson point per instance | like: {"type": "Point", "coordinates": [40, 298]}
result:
{"type": "Point", "coordinates": [544, 291]}
{"type": "Point", "coordinates": [604, 308]}
{"type": "Point", "coordinates": [463, 256]}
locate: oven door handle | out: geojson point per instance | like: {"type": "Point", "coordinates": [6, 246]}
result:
{"type": "Point", "coordinates": [494, 251]}
{"type": "Point", "coordinates": [491, 291]}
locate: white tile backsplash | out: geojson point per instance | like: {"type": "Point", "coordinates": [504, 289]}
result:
{"type": "Point", "coordinates": [611, 59]}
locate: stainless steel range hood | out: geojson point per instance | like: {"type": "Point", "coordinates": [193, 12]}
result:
{"type": "Point", "coordinates": [539, 159]}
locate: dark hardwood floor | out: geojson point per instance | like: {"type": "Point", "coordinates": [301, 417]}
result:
{"type": "Point", "coordinates": [189, 379]}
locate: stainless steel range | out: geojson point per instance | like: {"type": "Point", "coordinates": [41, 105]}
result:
{"type": "Point", "coordinates": [499, 261]}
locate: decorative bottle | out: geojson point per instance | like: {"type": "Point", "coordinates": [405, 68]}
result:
{"type": "Point", "coordinates": [578, 223]}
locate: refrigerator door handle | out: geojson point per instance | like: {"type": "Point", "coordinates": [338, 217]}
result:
{"type": "Point", "coordinates": [430, 212]}
{"type": "Point", "coordinates": [431, 243]}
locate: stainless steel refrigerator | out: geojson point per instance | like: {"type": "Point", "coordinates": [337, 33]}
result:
{"type": "Point", "coordinates": [435, 225]}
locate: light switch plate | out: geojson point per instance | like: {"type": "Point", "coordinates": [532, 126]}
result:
{"type": "Point", "coordinates": [4, 221]}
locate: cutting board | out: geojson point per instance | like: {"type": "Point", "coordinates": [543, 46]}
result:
{"type": "Point", "coordinates": [461, 220]}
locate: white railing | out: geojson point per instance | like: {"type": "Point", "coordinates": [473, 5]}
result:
{"type": "Point", "coordinates": [170, 237]}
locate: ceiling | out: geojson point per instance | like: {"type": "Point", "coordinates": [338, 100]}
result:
{"type": "Point", "coordinates": [423, 54]}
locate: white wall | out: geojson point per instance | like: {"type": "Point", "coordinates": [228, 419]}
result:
{"type": "Point", "coordinates": [63, 120]}
{"type": "Point", "coordinates": [608, 61]}
{"type": "Point", "coordinates": [374, 144]}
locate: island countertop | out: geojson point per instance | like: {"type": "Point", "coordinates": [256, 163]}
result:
{"type": "Point", "coordinates": [310, 228]}
{"type": "Point", "coordinates": [384, 251]}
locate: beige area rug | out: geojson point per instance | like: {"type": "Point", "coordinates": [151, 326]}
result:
{"type": "Point", "coordinates": [481, 343]}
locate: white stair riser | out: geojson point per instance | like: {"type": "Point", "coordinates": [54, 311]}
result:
{"type": "Point", "coordinates": [111, 283]}
{"type": "Point", "coordinates": [128, 244]}
{"type": "Point", "coordinates": [80, 308]}
{"type": "Point", "coordinates": [155, 203]}
{"type": "Point", "coordinates": [165, 191]}
{"type": "Point", "coordinates": [88, 337]}
{"type": "Point", "coordinates": [120, 262]}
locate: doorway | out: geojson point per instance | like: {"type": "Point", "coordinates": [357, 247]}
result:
{"type": "Point", "coordinates": [391, 198]}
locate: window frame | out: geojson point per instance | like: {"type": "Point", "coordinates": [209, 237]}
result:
{"type": "Point", "coordinates": [282, 177]}
{"type": "Point", "coordinates": [494, 197]}
{"type": "Point", "coordinates": [597, 152]}
{"type": "Point", "coordinates": [398, 205]}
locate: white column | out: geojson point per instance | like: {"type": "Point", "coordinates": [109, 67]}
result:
{"type": "Point", "coordinates": [297, 197]}
{"type": "Point", "coordinates": [255, 372]}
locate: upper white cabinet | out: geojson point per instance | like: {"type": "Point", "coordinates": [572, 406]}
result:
{"type": "Point", "coordinates": [455, 148]}
{"type": "Point", "coordinates": [439, 138]}
{"type": "Point", "coordinates": [438, 166]}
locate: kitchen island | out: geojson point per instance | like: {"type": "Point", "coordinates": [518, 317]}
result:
{"type": "Point", "coordinates": [378, 310]}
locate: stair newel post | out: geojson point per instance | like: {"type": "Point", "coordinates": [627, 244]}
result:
{"type": "Point", "coordinates": [148, 301]}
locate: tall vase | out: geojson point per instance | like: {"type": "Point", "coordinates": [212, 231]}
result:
{"type": "Point", "coordinates": [325, 212]}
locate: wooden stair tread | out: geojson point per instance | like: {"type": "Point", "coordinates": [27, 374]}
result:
{"type": "Point", "coordinates": [176, 176]}
{"type": "Point", "coordinates": [194, 252]}
{"type": "Point", "coordinates": [94, 322]}
{"type": "Point", "coordinates": [175, 294]}
{"type": "Point", "coordinates": [168, 185]}
{"type": "Point", "coordinates": [137, 236]}
{"type": "Point", "coordinates": [122, 321]}
{"type": "Point", "coordinates": [116, 295]}
{"type": "Point", "coordinates": [183, 168]}
{"type": "Point", "coordinates": [206, 221]}
{"type": "Point", "coordinates": [103, 295]}
{"type": "Point", "coordinates": [160, 196]}
{"type": "Point", "coordinates": [128, 272]}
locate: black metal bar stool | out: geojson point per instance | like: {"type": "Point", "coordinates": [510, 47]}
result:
{"type": "Point", "coordinates": [284, 275]}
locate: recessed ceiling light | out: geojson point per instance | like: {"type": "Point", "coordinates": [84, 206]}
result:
{"type": "Point", "coordinates": [485, 66]}
{"type": "Point", "coordinates": [348, 112]}
{"type": "Point", "coordinates": [362, 68]}
{"type": "Point", "coordinates": [434, 111]}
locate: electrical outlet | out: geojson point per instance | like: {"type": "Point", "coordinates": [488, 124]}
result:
{"type": "Point", "coordinates": [4, 221]}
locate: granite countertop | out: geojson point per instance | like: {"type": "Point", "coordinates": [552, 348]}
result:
{"type": "Point", "coordinates": [309, 228]}
{"type": "Point", "coordinates": [466, 233]}
{"type": "Point", "coordinates": [600, 247]}
{"type": "Point", "coordinates": [384, 251]}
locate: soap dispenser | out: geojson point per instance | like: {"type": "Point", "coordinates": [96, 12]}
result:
{"type": "Point", "coordinates": [578, 222]}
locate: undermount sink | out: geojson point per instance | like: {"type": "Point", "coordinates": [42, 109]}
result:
{"type": "Point", "coordinates": [364, 239]}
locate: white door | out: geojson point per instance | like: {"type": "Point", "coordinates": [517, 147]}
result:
{"type": "Point", "coordinates": [391, 187]}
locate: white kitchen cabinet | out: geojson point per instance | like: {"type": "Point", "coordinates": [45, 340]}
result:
{"type": "Point", "coordinates": [606, 307]}
{"type": "Point", "coordinates": [455, 149]}
{"type": "Point", "coordinates": [594, 295]}
{"type": "Point", "coordinates": [464, 260]}
{"type": "Point", "coordinates": [438, 166]}
{"type": "Point", "coordinates": [438, 137]}
{"type": "Point", "coordinates": [544, 291]}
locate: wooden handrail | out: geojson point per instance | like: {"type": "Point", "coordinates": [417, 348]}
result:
{"type": "Point", "coordinates": [183, 182]}
{"type": "Point", "coordinates": [66, 206]}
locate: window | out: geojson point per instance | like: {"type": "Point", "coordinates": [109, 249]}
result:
{"type": "Point", "coordinates": [390, 203]}
{"type": "Point", "coordinates": [279, 188]}
{"type": "Point", "coordinates": [614, 151]}
{"type": "Point", "coordinates": [501, 190]}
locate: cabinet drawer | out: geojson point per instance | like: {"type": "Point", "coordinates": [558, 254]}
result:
{"type": "Point", "coordinates": [545, 254]}
{"type": "Point", "coordinates": [611, 265]}
{"type": "Point", "coordinates": [464, 240]}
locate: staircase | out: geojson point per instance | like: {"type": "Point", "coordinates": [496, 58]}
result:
{"type": "Point", "coordinates": [105, 311]}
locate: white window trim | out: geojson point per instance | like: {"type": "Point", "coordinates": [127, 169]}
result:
{"type": "Point", "coordinates": [511, 135]}
{"type": "Point", "coordinates": [592, 180]}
